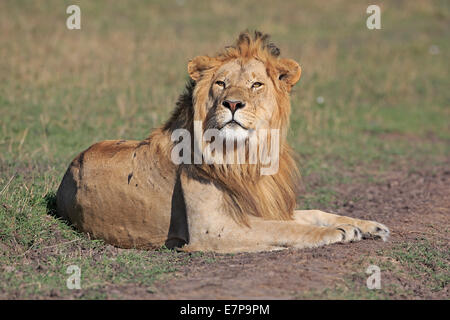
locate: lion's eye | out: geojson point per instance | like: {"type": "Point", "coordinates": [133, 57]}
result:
{"type": "Point", "coordinates": [256, 85]}
{"type": "Point", "coordinates": [220, 84]}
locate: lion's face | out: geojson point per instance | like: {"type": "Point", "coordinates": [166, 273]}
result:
{"type": "Point", "coordinates": [240, 96]}
{"type": "Point", "coordinates": [241, 99]}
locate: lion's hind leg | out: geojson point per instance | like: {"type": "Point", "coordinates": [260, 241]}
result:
{"type": "Point", "coordinates": [320, 218]}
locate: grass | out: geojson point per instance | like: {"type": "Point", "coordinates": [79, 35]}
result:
{"type": "Point", "coordinates": [385, 103]}
{"type": "Point", "coordinates": [402, 267]}
{"type": "Point", "coordinates": [425, 260]}
{"type": "Point", "coordinates": [349, 291]}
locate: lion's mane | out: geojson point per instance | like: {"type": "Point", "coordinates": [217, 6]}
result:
{"type": "Point", "coordinates": [246, 192]}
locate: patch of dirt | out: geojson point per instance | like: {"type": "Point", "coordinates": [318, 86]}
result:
{"type": "Point", "coordinates": [415, 205]}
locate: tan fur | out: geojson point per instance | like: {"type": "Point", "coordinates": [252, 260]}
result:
{"type": "Point", "coordinates": [131, 194]}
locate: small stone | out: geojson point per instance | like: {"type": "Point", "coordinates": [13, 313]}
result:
{"type": "Point", "coordinates": [320, 100]}
{"type": "Point", "coordinates": [9, 268]}
{"type": "Point", "coordinates": [434, 50]}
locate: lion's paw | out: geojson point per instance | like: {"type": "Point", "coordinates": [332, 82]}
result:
{"type": "Point", "coordinates": [372, 229]}
{"type": "Point", "coordinates": [349, 232]}
{"type": "Point", "coordinates": [342, 233]}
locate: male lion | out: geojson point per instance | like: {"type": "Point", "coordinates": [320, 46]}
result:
{"type": "Point", "coordinates": [132, 193]}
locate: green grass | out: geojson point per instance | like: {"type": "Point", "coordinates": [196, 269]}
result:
{"type": "Point", "coordinates": [425, 261]}
{"type": "Point", "coordinates": [386, 101]}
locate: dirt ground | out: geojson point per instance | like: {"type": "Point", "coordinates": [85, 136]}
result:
{"type": "Point", "coordinates": [416, 207]}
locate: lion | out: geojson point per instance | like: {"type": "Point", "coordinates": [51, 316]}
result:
{"type": "Point", "coordinates": [132, 194]}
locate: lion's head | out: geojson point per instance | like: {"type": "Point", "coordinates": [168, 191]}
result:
{"type": "Point", "coordinates": [244, 88]}
{"type": "Point", "coordinates": [239, 91]}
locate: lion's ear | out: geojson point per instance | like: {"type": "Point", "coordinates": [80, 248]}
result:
{"type": "Point", "coordinates": [289, 72]}
{"type": "Point", "coordinates": [198, 65]}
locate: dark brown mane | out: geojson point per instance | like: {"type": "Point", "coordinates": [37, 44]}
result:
{"type": "Point", "coordinates": [183, 114]}
{"type": "Point", "coordinates": [246, 45]}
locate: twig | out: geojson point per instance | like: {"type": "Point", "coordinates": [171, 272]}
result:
{"type": "Point", "coordinates": [55, 245]}
{"type": "Point", "coordinates": [7, 185]}
{"type": "Point", "coordinates": [61, 244]}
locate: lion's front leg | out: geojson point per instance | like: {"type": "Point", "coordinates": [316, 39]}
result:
{"type": "Point", "coordinates": [211, 228]}
{"type": "Point", "coordinates": [321, 218]}
{"type": "Point", "coordinates": [264, 235]}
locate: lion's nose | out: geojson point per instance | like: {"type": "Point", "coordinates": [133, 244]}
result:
{"type": "Point", "coordinates": [233, 105]}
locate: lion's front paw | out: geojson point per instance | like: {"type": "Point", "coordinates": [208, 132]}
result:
{"type": "Point", "coordinates": [341, 233]}
{"type": "Point", "coordinates": [372, 229]}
